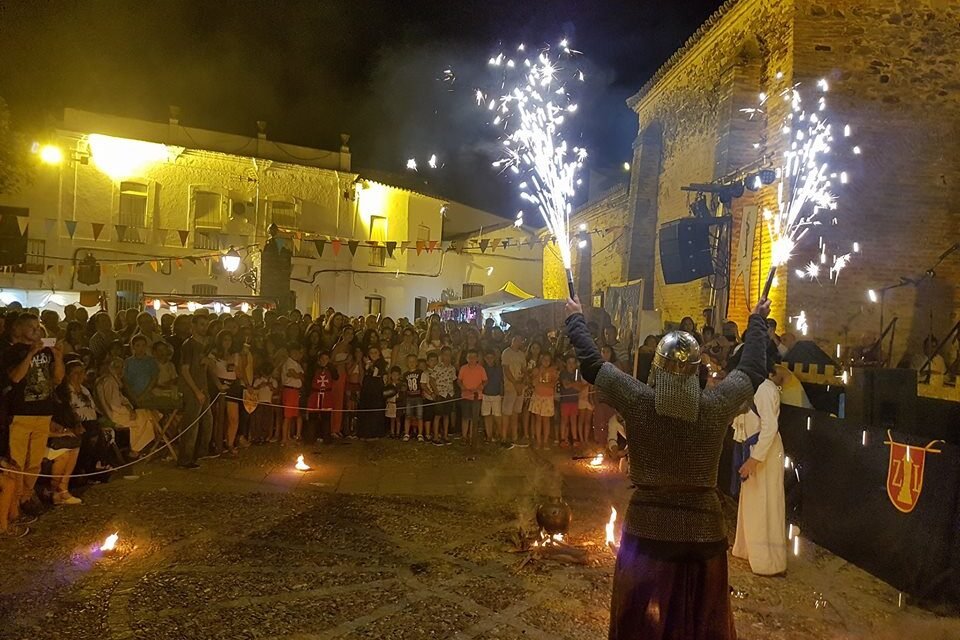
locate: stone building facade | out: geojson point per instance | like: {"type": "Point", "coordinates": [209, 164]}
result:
{"type": "Point", "coordinates": [893, 69]}
{"type": "Point", "coordinates": [148, 199]}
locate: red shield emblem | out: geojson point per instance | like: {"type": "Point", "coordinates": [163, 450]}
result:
{"type": "Point", "coordinates": [905, 472]}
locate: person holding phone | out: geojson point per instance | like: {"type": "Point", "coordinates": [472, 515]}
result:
{"type": "Point", "coordinates": [34, 367]}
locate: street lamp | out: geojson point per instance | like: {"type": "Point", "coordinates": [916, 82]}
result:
{"type": "Point", "coordinates": [231, 260]}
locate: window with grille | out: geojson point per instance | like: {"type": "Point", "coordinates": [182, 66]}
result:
{"type": "Point", "coordinates": [374, 305]}
{"type": "Point", "coordinates": [133, 210]}
{"type": "Point", "coordinates": [204, 290]}
{"type": "Point", "coordinates": [36, 256]}
{"type": "Point", "coordinates": [472, 290]}
{"type": "Point", "coordinates": [284, 214]}
{"type": "Point", "coordinates": [207, 219]}
{"type": "Point", "coordinates": [378, 232]}
{"type": "Point", "coordinates": [129, 294]}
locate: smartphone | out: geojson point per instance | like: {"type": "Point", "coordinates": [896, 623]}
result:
{"type": "Point", "coordinates": [48, 342]}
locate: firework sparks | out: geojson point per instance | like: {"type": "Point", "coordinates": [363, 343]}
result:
{"type": "Point", "coordinates": [531, 116]}
{"type": "Point", "coordinates": [801, 322]}
{"type": "Point", "coordinates": [412, 164]}
{"type": "Point", "coordinates": [806, 186]}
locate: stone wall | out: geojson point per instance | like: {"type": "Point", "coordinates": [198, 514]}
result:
{"type": "Point", "coordinates": [894, 75]}
{"type": "Point", "coordinates": [608, 224]}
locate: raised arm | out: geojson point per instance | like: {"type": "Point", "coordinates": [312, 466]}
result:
{"type": "Point", "coordinates": [621, 390]}
{"type": "Point", "coordinates": [739, 387]}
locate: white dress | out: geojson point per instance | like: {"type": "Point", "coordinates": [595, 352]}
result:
{"type": "Point", "coordinates": [761, 515]}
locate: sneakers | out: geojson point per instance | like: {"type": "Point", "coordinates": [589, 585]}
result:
{"type": "Point", "coordinates": [210, 456]}
{"type": "Point", "coordinates": [507, 445]}
{"type": "Point", "coordinates": [419, 438]}
{"type": "Point", "coordinates": [65, 497]}
{"type": "Point", "coordinates": [438, 442]}
{"type": "Point", "coordinates": [26, 519]}
{"type": "Point", "coordinates": [406, 438]}
{"type": "Point", "coordinates": [523, 444]}
{"type": "Point", "coordinates": [189, 465]}
{"type": "Point", "coordinates": [16, 530]}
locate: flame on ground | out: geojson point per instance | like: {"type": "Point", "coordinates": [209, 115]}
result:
{"type": "Point", "coordinates": [611, 540]}
{"type": "Point", "coordinates": [597, 460]}
{"type": "Point", "coordinates": [546, 540]}
{"type": "Point", "coordinates": [301, 465]}
{"type": "Point", "coordinates": [110, 543]}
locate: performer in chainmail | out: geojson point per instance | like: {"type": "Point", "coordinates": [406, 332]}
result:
{"type": "Point", "coordinates": [670, 580]}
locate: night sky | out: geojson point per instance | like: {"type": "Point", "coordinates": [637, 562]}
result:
{"type": "Point", "coordinates": [315, 69]}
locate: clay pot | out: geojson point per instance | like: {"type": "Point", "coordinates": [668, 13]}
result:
{"type": "Point", "coordinates": [554, 516]}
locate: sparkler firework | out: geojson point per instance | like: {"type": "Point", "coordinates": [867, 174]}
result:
{"type": "Point", "coordinates": [806, 180]}
{"type": "Point", "coordinates": [530, 109]}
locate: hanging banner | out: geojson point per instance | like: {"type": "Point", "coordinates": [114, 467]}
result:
{"type": "Point", "coordinates": [744, 256]}
{"type": "Point", "coordinates": [97, 228]}
{"type": "Point", "coordinates": [71, 226]}
{"type": "Point", "coordinates": [905, 472]}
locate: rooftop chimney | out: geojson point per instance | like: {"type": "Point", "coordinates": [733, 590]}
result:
{"type": "Point", "coordinates": [344, 143]}
{"type": "Point", "coordinates": [262, 129]}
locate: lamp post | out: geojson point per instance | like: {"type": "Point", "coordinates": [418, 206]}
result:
{"type": "Point", "coordinates": [231, 260]}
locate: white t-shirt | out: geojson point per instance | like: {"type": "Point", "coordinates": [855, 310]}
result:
{"type": "Point", "coordinates": [286, 379]}
{"type": "Point", "coordinates": [515, 361]}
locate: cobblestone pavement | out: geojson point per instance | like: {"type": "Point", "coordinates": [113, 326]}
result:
{"type": "Point", "coordinates": [380, 540]}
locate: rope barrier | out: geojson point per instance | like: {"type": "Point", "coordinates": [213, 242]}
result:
{"type": "Point", "coordinates": [123, 466]}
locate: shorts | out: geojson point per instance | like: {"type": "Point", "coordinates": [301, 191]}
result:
{"type": "Point", "coordinates": [569, 409]}
{"type": "Point", "coordinates": [512, 403]}
{"type": "Point", "coordinates": [491, 406]}
{"type": "Point", "coordinates": [290, 399]}
{"type": "Point", "coordinates": [443, 406]}
{"type": "Point", "coordinates": [471, 409]}
{"type": "Point", "coordinates": [415, 407]}
{"type": "Point", "coordinates": [429, 410]}
{"type": "Point", "coordinates": [542, 406]}
{"type": "Point", "coordinates": [584, 405]}
{"type": "Point", "coordinates": [234, 392]}
{"type": "Point", "coordinates": [391, 411]}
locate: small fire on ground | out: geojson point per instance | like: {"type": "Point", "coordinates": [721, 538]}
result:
{"type": "Point", "coordinates": [110, 543]}
{"type": "Point", "coordinates": [546, 540]}
{"type": "Point", "coordinates": [301, 465]}
{"type": "Point", "coordinates": [597, 460]}
{"type": "Point", "coordinates": [611, 523]}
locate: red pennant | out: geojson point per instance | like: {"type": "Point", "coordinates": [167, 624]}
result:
{"type": "Point", "coordinates": [420, 246]}
{"type": "Point", "coordinates": [432, 245]}
{"type": "Point", "coordinates": [336, 247]}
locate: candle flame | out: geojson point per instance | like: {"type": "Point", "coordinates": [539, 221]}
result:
{"type": "Point", "coordinates": [597, 460]}
{"type": "Point", "coordinates": [110, 543]}
{"type": "Point", "coordinates": [301, 465]}
{"type": "Point", "coordinates": [611, 540]}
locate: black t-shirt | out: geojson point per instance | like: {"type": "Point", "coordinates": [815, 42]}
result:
{"type": "Point", "coordinates": [33, 395]}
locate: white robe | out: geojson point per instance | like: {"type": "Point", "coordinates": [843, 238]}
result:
{"type": "Point", "coordinates": [761, 515]}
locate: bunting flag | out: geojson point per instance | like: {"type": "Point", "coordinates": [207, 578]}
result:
{"type": "Point", "coordinates": [192, 259]}
{"type": "Point", "coordinates": [97, 228]}
{"type": "Point", "coordinates": [373, 244]}
{"type": "Point", "coordinates": [121, 231]}
{"type": "Point", "coordinates": [494, 245]}
{"type": "Point", "coordinates": [457, 246]}
{"type": "Point", "coordinates": [179, 263]}
{"type": "Point", "coordinates": [296, 243]}
{"type": "Point", "coordinates": [420, 246]}
{"type": "Point", "coordinates": [336, 247]}
{"type": "Point", "coordinates": [506, 242]}
{"type": "Point", "coordinates": [23, 222]}
{"type": "Point", "coordinates": [320, 244]}
{"type": "Point", "coordinates": [49, 226]}
{"type": "Point", "coordinates": [59, 269]}
{"type": "Point", "coordinates": [130, 267]}
{"type": "Point", "coordinates": [184, 234]}
{"type": "Point", "coordinates": [391, 247]}
{"type": "Point", "coordinates": [353, 244]}
{"type": "Point", "coordinates": [431, 246]}
{"type": "Point", "coordinates": [155, 265]}
{"type": "Point", "coordinates": [71, 226]}
{"type": "Point", "coordinates": [483, 245]}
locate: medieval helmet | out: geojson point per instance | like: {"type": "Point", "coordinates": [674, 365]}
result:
{"type": "Point", "coordinates": [675, 384]}
{"type": "Point", "coordinates": [678, 352]}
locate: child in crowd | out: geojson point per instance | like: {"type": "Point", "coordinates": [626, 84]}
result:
{"type": "Point", "coordinates": [442, 378]}
{"type": "Point", "coordinates": [261, 420]}
{"type": "Point", "coordinates": [391, 392]}
{"type": "Point", "coordinates": [544, 378]}
{"type": "Point", "coordinates": [569, 402]}
{"type": "Point", "coordinates": [166, 372]}
{"type": "Point", "coordinates": [492, 403]}
{"type": "Point", "coordinates": [386, 350]}
{"type": "Point", "coordinates": [412, 379]}
{"type": "Point", "coordinates": [291, 378]}
{"type": "Point", "coordinates": [472, 379]}
{"type": "Point", "coordinates": [320, 400]}
{"type": "Point", "coordinates": [429, 395]}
